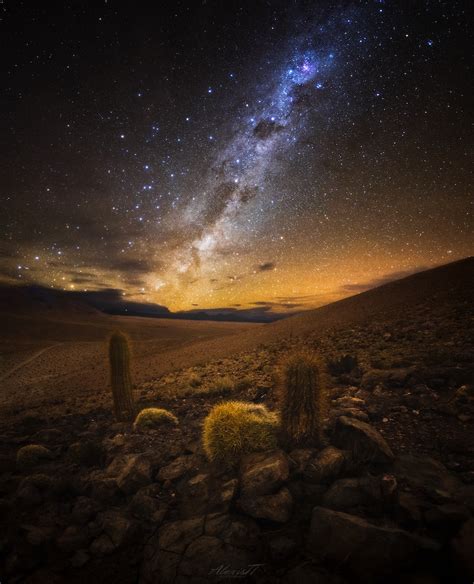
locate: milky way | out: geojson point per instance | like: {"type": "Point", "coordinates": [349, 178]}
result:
{"type": "Point", "coordinates": [269, 156]}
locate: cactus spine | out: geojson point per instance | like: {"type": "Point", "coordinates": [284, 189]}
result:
{"type": "Point", "coordinates": [303, 402]}
{"type": "Point", "coordinates": [120, 379]}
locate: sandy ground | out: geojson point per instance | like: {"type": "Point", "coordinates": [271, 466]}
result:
{"type": "Point", "coordinates": [58, 359]}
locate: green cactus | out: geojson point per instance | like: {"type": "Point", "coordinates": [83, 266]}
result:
{"type": "Point", "coordinates": [120, 379]}
{"type": "Point", "coordinates": [303, 400]}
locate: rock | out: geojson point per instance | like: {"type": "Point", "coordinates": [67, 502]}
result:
{"type": "Point", "coordinates": [354, 492]}
{"type": "Point", "coordinates": [32, 455]}
{"type": "Point", "coordinates": [409, 509]}
{"type": "Point", "coordinates": [102, 545]}
{"type": "Point", "coordinates": [307, 573]}
{"type": "Point", "coordinates": [427, 475]}
{"type": "Point", "coordinates": [326, 466]}
{"type": "Point", "coordinates": [349, 402]}
{"type": "Point", "coordinates": [38, 536]}
{"type": "Point", "coordinates": [72, 539]}
{"type": "Point", "coordinates": [48, 435]}
{"type": "Point", "coordinates": [177, 468]}
{"type": "Point", "coordinates": [87, 453]}
{"type": "Point", "coordinates": [448, 516]}
{"type": "Point", "coordinates": [281, 548]}
{"type": "Point", "coordinates": [84, 510]}
{"type": "Point", "coordinates": [29, 495]}
{"type": "Point", "coordinates": [208, 557]}
{"type": "Point", "coordinates": [147, 508]}
{"type": "Point", "coordinates": [228, 492]}
{"type": "Point", "coordinates": [233, 530]}
{"type": "Point", "coordinates": [195, 497]}
{"type": "Point", "coordinates": [175, 537]}
{"type": "Point", "coordinates": [262, 473]}
{"type": "Point", "coordinates": [368, 552]}
{"type": "Point", "coordinates": [276, 507]}
{"type": "Point", "coordinates": [79, 559]}
{"type": "Point", "coordinates": [462, 546]}
{"type": "Point", "coordinates": [6, 508]}
{"type": "Point", "coordinates": [351, 413]}
{"type": "Point", "coordinates": [299, 458]}
{"type": "Point", "coordinates": [135, 474]}
{"type": "Point", "coordinates": [465, 496]}
{"type": "Point", "coordinates": [103, 488]}
{"type": "Point", "coordinates": [116, 526]}
{"type": "Point", "coordinates": [7, 463]}
{"type": "Point", "coordinates": [216, 546]}
{"type": "Point", "coordinates": [386, 377]}
{"type": "Point", "coordinates": [363, 440]}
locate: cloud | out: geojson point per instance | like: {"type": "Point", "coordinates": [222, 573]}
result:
{"type": "Point", "coordinates": [266, 267]}
{"type": "Point", "coordinates": [276, 304]}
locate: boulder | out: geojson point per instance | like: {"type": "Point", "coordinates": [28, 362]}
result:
{"type": "Point", "coordinates": [426, 475]}
{"type": "Point", "coordinates": [32, 455]}
{"type": "Point", "coordinates": [368, 553]}
{"type": "Point", "coordinates": [175, 537]}
{"type": "Point", "coordinates": [386, 377]}
{"type": "Point", "coordinates": [262, 473]}
{"type": "Point", "coordinates": [84, 510]}
{"type": "Point", "coordinates": [463, 546]}
{"type": "Point", "coordinates": [72, 539]}
{"type": "Point", "coordinates": [299, 458]}
{"type": "Point", "coordinates": [147, 508]}
{"type": "Point", "coordinates": [276, 507]}
{"type": "Point", "coordinates": [87, 453]}
{"type": "Point", "coordinates": [102, 545]}
{"type": "Point", "coordinates": [179, 467]}
{"type": "Point", "coordinates": [195, 495]}
{"type": "Point", "coordinates": [135, 474]}
{"type": "Point", "coordinates": [116, 526]}
{"type": "Point", "coordinates": [208, 557]}
{"type": "Point", "coordinates": [281, 548]}
{"type": "Point", "coordinates": [79, 559]}
{"type": "Point", "coordinates": [354, 492]}
{"type": "Point", "coordinates": [363, 440]}
{"type": "Point", "coordinates": [38, 536]}
{"type": "Point", "coordinates": [326, 466]}
{"type": "Point", "coordinates": [201, 549]}
{"type": "Point", "coordinates": [103, 488]}
{"type": "Point", "coordinates": [447, 517]}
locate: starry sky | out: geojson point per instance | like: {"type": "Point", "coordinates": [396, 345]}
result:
{"type": "Point", "coordinates": [204, 154]}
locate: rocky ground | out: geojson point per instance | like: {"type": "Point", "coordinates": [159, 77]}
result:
{"type": "Point", "coordinates": [389, 498]}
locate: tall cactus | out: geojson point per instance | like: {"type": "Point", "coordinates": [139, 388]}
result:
{"type": "Point", "coordinates": [120, 379]}
{"type": "Point", "coordinates": [303, 400]}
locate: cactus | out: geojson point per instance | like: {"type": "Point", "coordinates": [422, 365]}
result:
{"type": "Point", "coordinates": [120, 379]}
{"type": "Point", "coordinates": [153, 418]}
{"type": "Point", "coordinates": [233, 429]}
{"type": "Point", "coordinates": [303, 400]}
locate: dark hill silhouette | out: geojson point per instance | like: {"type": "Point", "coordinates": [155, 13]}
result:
{"type": "Point", "coordinates": [449, 283]}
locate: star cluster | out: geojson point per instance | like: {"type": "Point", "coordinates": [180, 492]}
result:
{"type": "Point", "coordinates": [234, 154]}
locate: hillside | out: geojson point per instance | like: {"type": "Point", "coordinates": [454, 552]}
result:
{"type": "Point", "coordinates": [106, 501]}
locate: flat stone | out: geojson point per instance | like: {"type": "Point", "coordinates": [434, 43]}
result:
{"type": "Point", "coordinates": [326, 466]}
{"type": "Point", "coordinates": [262, 473]}
{"type": "Point", "coordinates": [366, 551]}
{"type": "Point", "coordinates": [276, 507]}
{"type": "Point", "coordinates": [363, 440]}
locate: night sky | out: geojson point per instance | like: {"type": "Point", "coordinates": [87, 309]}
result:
{"type": "Point", "coordinates": [237, 154]}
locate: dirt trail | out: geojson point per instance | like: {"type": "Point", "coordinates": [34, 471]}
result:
{"type": "Point", "coordinates": [28, 361]}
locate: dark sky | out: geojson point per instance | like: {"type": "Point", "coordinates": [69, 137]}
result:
{"type": "Point", "coordinates": [206, 154]}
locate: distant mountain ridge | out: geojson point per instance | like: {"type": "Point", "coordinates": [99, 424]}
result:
{"type": "Point", "coordinates": [42, 301]}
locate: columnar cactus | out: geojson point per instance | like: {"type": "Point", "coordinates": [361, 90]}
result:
{"type": "Point", "coordinates": [120, 379]}
{"type": "Point", "coordinates": [303, 400]}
